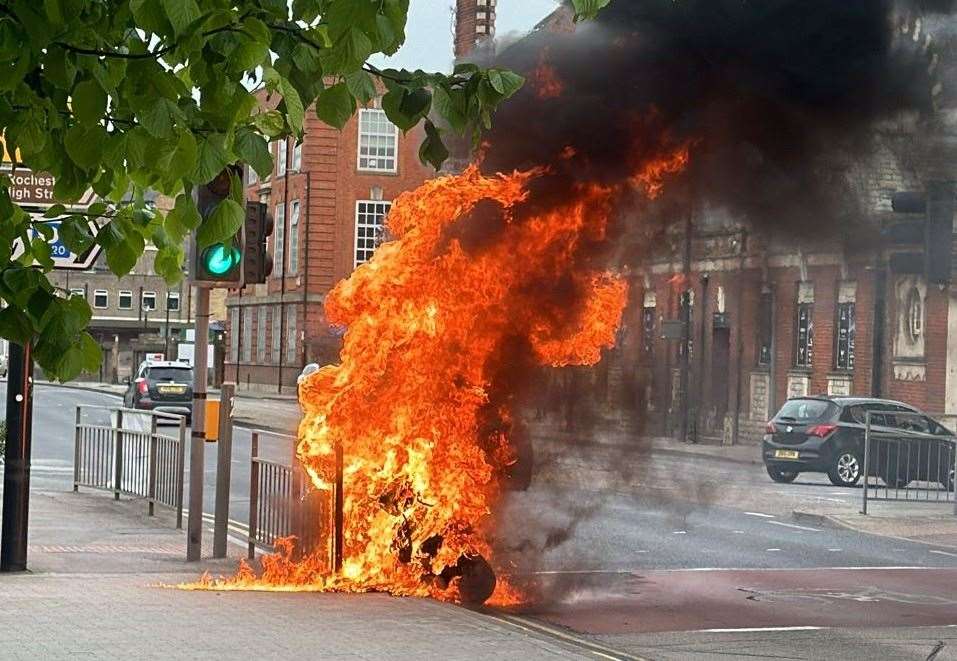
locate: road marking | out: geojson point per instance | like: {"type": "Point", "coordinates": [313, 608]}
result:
{"type": "Point", "coordinates": [758, 629]}
{"type": "Point", "coordinates": [772, 550]}
{"type": "Point", "coordinates": [680, 532]}
{"type": "Point", "coordinates": [531, 626]}
{"type": "Point", "coordinates": [952, 555]}
{"type": "Point", "coordinates": [835, 550]}
{"type": "Point", "coordinates": [738, 532]}
{"type": "Point", "coordinates": [763, 516]}
{"type": "Point", "coordinates": [792, 525]}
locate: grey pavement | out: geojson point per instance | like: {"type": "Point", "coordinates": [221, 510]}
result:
{"type": "Point", "coordinates": [96, 590]}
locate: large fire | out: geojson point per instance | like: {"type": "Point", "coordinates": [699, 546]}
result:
{"type": "Point", "coordinates": [424, 439]}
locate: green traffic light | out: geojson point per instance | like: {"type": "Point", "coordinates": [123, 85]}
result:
{"type": "Point", "coordinates": [220, 259]}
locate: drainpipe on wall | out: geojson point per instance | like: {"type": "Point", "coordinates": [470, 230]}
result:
{"type": "Point", "coordinates": [880, 321]}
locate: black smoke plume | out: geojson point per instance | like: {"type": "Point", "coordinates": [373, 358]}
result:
{"type": "Point", "coordinates": [776, 97]}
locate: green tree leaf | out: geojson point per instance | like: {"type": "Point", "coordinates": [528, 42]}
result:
{"type": "Point", "coordinates": [89, 102]}
{"type": "Point", "coordinates": [223, 223]}
{"type": "Point", "coordinates": [253, 149]}
{"type": "Point", "coordinates": [433, 151]}
{"type": "Point", "coordinates": [212, 158]}
{"type": "Point", "coordinates": [15, 325]}
{"type": "Point", "coordinates": [181, 13]}
{"type": "Point", "coordinates": [295, 112]}
{"type": "Point", "coordinates": [336, 105]}
{"type": "Point", "coordinates": [588, 9]}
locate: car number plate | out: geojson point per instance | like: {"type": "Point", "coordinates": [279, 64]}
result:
{"type": "Point", "coordinates": [172, 390]}
{"type": "Point", "coordinates": [786, 454]}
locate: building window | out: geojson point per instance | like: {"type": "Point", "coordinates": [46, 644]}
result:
{"type": "Point", "coordinates": [805, 335]}
{"type": "Point", "coordinates": [297, 157]}
{"type": "Point", "coordinates": [845, 336]}
{"type": "Point", "coordinates": [247, 336]}
{"type": "Point", "coordinates": [251, 176]}
{"type": "Point", "coordinates": [915, 315]}
{"type": "Point", "coordinates": [101, 299]}
{"type": "Point", "coordinates": [261, 335]}
{"type": "Point", "coordinates": [172, 301]}
{"type": "Point", "coordinates": [294, 237]}
{"type": "Point", "coordinates": [370, 225]}
{"type": "Point", "coordinates": [765, 328]}
{"type": "Point", "coordinates": [648, 330]}
{"type": "Point", "coordinates": [279, 240]}
{"type": "Point", "coordinates": [282, 153]}
{"type": "Point", "coordinates": [276, 333]}
{"type": "Point", "coordinates": [149, 300]}
{"type": "Point", "coordinates": [125, 300]}
{"type": "Point", "coordinates": [378, 141]}
{"type": "Point", "coordinates": [292, 337]}
{"type": "Point", "coordinates": [234, 335]}
{"type": "Point", "coordinates": [78, 291]}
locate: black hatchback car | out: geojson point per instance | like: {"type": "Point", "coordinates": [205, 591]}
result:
{"type": "Point", "coordinates": [826, 435]}
{"type": "Point", "coordinates": [165, 386]}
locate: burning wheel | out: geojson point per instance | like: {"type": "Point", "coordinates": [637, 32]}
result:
{"type": "Point", "coordinates": [477, 582]}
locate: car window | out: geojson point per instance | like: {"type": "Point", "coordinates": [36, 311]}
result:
{"type": "Point", "coordinates": [806, 410]}
{"type": "Point", "coordinates": [178, 374]}
{"type": "Point", "coordinates": [854, 414]}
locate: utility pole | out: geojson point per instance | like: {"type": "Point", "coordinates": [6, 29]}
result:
{"type": "Point", "coordinates": [685, 364]}
{"type": "Point", "coordinates": [224, 459]}
{"type": "Point", "coordinates": [16, 473]}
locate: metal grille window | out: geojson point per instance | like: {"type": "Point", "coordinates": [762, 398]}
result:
{"type": "Point", "coordinates": [247, 335]}
{"type": "Point", "coordinates": [172, 301]}
{"type": "Point", "coordinates": [765, 328]}
{"type": "Point", "coordinates": [378, 141]}
{"type": "Point", "coordinates": [261, 335]}
{"type": "Point", "coordinates": [805, 335]}
{"type": "Point", "coordinates": [101, 299]}
{"type": "Point", "coordinates": [292, 337]}
{"type": "Point", "coordinates": [370, 226]}
{"type": "Point", "coordinates": [278, 241]}
{"type": "Point", "coordinates": [845, 336]}
{"type": "Point", "coordinates": [149, 300]}
{"type": "Point", "coordinates": [234, 335]}
{"type": "Point", "coordinates": [294, 237]}
{"type": "Point", "coordinates": [648, 330]}
{"type": "Point", "coordinates": [276, 333]}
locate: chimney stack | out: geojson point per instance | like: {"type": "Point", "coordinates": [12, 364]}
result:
{"type": "Point", "coordinates": [474, 25]}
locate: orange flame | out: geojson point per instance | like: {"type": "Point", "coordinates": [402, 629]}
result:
{"type": "Point", "coordinates": [545, 81]}
{"type": "Point", "coordinates": [409, 403]}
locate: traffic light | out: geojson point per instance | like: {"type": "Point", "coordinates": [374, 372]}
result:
{"type": "Point", "coordinates": [257, 262]}
{"type": "Point", "coordinates": [935, 231]}
{"type": "Point", "coordinates": [220, 264]}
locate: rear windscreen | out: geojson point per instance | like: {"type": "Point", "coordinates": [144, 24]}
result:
{"type": "Point", "coordinates": [805, 410]}
{"type": "Point", "coordinates": [178, 374]}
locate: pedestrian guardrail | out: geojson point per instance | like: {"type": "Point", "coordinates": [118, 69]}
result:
{"type": "Point", "coordinates": [908, 457]}
{"type": "Point", "coordinates": [281, 504]}
{"type": "Point", "coordinates": [122, 451]}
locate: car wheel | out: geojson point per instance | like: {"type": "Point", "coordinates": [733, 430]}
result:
{"type": "Point", "coordinates": [846, 469]}
{"type": "Point", "coordinates": [782, 476]}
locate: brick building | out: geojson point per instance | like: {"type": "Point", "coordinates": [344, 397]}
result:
{"type": "Point", "coordinates": [329, 197]}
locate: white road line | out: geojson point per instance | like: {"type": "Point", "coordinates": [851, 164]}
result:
{"type": "Point", "coordinates": [763, 516]}
{"type": "Point", "coordinates": [738, 532]}
{"type": "Point", "coordinates": [952, 555]}
{"type": "Point", "coordinates": [680, 532]}
{"type": "Point", "coordinates": [757, 629]}
{"type": "Point", "coordinates": [772, 550]}
{"type": "Point", "coordinates": [792, 525]}
{"type": "Point", "coordinates": [835, 550]}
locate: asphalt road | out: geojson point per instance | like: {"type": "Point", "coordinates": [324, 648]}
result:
{"type": "Point", "coordinates": [662, 556]}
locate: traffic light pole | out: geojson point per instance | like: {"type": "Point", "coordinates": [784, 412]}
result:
{"type": "Point", "coordinates": [197, 445]}
{"type": "Point", "coordinates": [16, 473]}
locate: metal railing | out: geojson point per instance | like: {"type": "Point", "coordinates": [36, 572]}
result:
{"type": "Point", "coordinates": [908, 457]}
{"type": "Point", "coordinates": [281, 504]}
{"type": "Point", "coordinates": [123, 452]}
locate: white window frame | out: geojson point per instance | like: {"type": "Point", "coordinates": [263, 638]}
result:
{"type": "Point", "coordinates": [101, 292]}
{"type": "Point", "coordinates": [251, 175]}
{"type": "Point", "coordinates": [172, 296]}
{"type": "Point", "coordinates": [297, 157]}
{"type": "Point", "coordinates": [148, 294]}
{"type": "Point", "coordinates": [278, 241]}
{"type": "Point", "coordinates": [276, 333]}
{"type": "Point", "coordinates": [247, 336]}
{"type": "Point", "coordinates": [363, 250]}
{"type": "Point", "coordinates": [128, 293]}
{"type": "Point", "coordinates": [234, 334]}
{"type": "Point", "coordinates": [282, 153]}
{"type": "Point", "coordinates": [261, 334]}
{"type": "Point", "coordinates": [292, 336]}
{"type": "Point", "coordinates": [364, 116]}
{"type": "Point", "coordinates": [294, 210]}
{"type": "Point", "coordinates": [78, 291]}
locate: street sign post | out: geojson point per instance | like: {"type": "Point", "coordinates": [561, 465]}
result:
{"type": "Point", "coordinates": [63, 257]}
